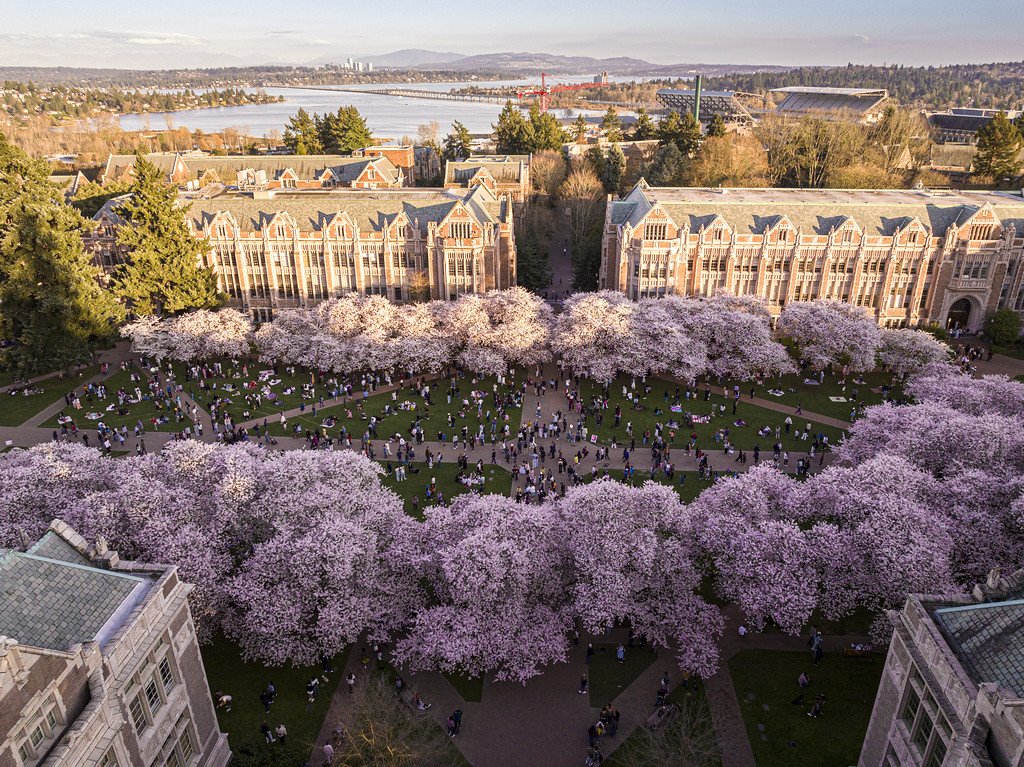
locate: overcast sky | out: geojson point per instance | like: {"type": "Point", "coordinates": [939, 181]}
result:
{"type": "Point", "coordinates": [176, 33]}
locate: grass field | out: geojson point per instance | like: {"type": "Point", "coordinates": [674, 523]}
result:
{"type": "Point", "coordinates": [496, 480]}
{"type": "Point", "coordinates": [781, 733]}
{"type": "Point", "coordinates": [816, 398]}
{"type": "Point", "coordinates": [16, 409]}
{"type": "Point", "coordinates": [204, 390]}
{"type": "Point", "coordinates": [742, 437]}
{"type": "Point", "coordinates": [469, 688]}
{"type": "Point", "coordinates": [688, 490]}
{"type": "Point", "coordinates": [145, 410]}
{"type": "Point", "coordinates": [228, 673]}
{"type": "Point", "coordinates": [608, 678]}
{"type": "Point", "coordinates": [1015, 350]}
{"type": "Point", "coordinates": [434, 419]}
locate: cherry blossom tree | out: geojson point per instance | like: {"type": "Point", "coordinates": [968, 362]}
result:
{"type": "Point", "coordinates": [907, 351]}
{"type": "Point", "coordinates": [989, 394]}
{"type": "Point", "coordinates": [829, 332]}
{"type": "Point", "coordinates": [497, 572]}
{"type": "Point", "coordinates": [591, 332]}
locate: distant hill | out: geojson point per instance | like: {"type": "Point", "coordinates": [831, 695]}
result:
{"type": "Point", "coordinates": [522, 62]}
{"type": "Point", "coordinates": [412, 57]}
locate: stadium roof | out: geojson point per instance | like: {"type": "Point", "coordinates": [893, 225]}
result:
{"type": "Point", "coordinates": [727, 104]}
{"type": "Point", "coordinates": [801, 100]}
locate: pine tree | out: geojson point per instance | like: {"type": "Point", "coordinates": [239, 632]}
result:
{"type": "Point", "coordinates": [457, 144]}
{"type": "Point", "coordinates": [644, 128]}
{"type": "Point", "coordinates": [533, 271]}
{"type": "Point", "coordinates": [999, 144]}
{"type": "Point", "coordinates": [595, 159]}
{"type": "Point", "coordinates": [51, 301]}
{"type": "Point", "coordinates": [162, 271]}
{"type": "Point", "coordinates": [579, 129]}
{"type": "Point", "coordinates": [668, 167]}
{"type": "Point", "coordinates": [614, 168]}
{"type": "Point", "coordinates": [344, 131]}
{"type": "Point", "coordinates": [301, 136]}
{"type": "Point", "coordinates": [611, 125]}
{"type": "Point", "coordinates": [681, 130]}
{"type": "Point", "coordinates": [511, 132]}
{"type": "Point", "coordinates": [544, 130]}
{"type": "Point", "coordinates": [716, 127]}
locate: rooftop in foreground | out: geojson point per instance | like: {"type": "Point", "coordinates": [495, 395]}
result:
{"type": "Point", "coordinates": [988, 639]}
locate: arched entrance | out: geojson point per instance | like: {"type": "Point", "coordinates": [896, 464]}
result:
{"type": "Point", "coordinates": [959, 315]}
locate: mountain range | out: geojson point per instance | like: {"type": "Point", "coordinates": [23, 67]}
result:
{"type": "Point", "coordinates": [524, 62]}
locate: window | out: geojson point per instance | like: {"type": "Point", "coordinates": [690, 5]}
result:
{"type": "Point", "coordinates": [655, 231]}
{"type": "Point", "coordinates": [187, 749]}
{"type": "Point", "coordinates": [460, 230]}
{"type": "Point", "coordinates": [911, 706]}
{"type": "Point", "coordinates": [51, 719]}
{"type": "Point", "coordinates": [173, 760]}
{"type": "Point", "coordinates": [37, 735]}
{"type": "Point", "coordinates": [924, 732]}
{"type": "Point", "coordinates": [23, 753]}
{"type": "Point", "coordinates": [138, 714]}
{"type": "Point", "coordinates": [938, 753]}
{"type": "Point", "coordinates": [222, 230]}
{"type": "Point", "coordinates": [165, 674]}
{"type": "Point", "coordinates": [109, 759]}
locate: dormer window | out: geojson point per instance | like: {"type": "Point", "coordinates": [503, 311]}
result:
{"type": "Point", "coordinates": [222, 231]}
{"type": "Point", "coordinates": [281, 231]}
{"type": "Point", "coordinates": [460, 230]}
{"type": "Point", "coordinates": [783, 235]}
{"type": "Point", "coordinates": [847, 236]}
{"type": "Point", "coordinates": [981, 231]}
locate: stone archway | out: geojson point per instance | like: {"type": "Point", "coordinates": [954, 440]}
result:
{"type": "Point", "coordinates": [960, 314]}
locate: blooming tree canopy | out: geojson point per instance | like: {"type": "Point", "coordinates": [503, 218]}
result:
{"type": "Point", "coordinates": [831, 332]}
{"type": "Point", "coordinates": [907, 351]}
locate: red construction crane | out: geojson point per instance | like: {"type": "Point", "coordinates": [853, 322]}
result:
{"type": "Point", "coordinates": [546, 90]}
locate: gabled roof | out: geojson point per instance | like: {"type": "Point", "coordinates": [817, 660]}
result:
{"type": "Point", "coordinates": [506, 169]}
{"type": "Point", "coordinates": [988, 639]}
{"type": "Point", "coordinates": [306, 167]}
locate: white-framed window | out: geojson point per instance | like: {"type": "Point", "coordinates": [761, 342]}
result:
{"type": "Point", "coordinates": [166, 675]}
{"type": "Point", "coordinates": [138, 712]}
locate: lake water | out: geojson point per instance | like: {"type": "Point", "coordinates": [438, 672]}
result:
{"type": "Point", "coordinates": [386, 115]}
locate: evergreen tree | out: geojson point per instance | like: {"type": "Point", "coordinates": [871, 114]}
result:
{"type": "Point", "coordinates": [301, 135]}
{"type": "Point", "coordinates": [999, 144]}
{"type": "Point", "coordinates": [457, 143]}
{"type": "Point", "coordinates": [544, 130]}
{"type": "Point", "coordinates": [579, 129]}
{"type": "Point", "coordinates": [343, 132]}
{"type": "Point", "coordinates": [1004, 327]}
{"type": "Point", "coordinates": [595, 159]}
{"type": "Point", "coordinates": [668, 167]}
{"type": "Point", "coordinates": [533, 271]}
{"type": "Point", "coordinates": [162, 271]}
{"type": "Point", "coordinates": [681, 130]}
{"type": "Point", "coordinates": [716, 127]}
{"type": "Point", "coordinates": [614, 168]}
{"type": "Point", "coordinates": [51, 302]}
{"type": "Point", "coordinates": [512, 131]}
{"type": "Point", "coordinates": [611, 126]}
{"type": "Point", "coordinates": [644, 128]}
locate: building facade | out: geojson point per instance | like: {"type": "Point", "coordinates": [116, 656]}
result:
{"type": "Point", "coordinates": [952, 690]}
{"type": "Point", "coordinates": [275, 250]}
{"type": "Point", "coordinates": [910, 257]}
{"type": "Point", "coordinates": [272, 171]}
{"type": "Point", "coordinates": [99, 662]}
{"type": "Point", "coordinates": [503, 175]}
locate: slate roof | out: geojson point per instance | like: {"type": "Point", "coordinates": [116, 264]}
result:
{"type": "Point", "coordinates": [817, 211]}
{"type": "Point", "coordinates": [52, 546]}
{"type": "Point", "coordinates": [800, 99]}
{"type": "Point", "coordinates": [53, 603]}
{"type": "Point", "coordinates": [505, 170]}
{"type": "Point", "coordinates": [307, 167]}
{"type": "Point", "coordinates": [374, 209]}
{"type": "Point", "coordinates": [988, 639]}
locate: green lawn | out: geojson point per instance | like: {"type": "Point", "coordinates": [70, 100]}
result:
{"type": "Point", "coordinates": [355, 415]}
{"type": "Point", "coordinates": [244, 682]}
{"type": "Point", "coordinates": [469, 688]}
{"type": "Point", "coordinates": [816, 398]}
{"type": "Point", "coordinates": [203, 390]}
{"type": "Point", "coordinates": [688, 738]}
{"type": "Point", "coordinates": [145, 410]}
{"type": "Point", "coordinates": [496, 480]}
{"type": "Point", "coordinates": [1016, 350]}
{"type": "Point", "coordinates": [608, 678]}
{"type": "Point", "coordinates": [690, 489]}
{"type": "Point", "coordinates": [16, 409]}
{"type": "Point", "coordinates": [781, 733]}
{"type": "Point", "coordinates": [742, 437]}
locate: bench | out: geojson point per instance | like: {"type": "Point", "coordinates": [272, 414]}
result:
{"type": "Point", "coordinates": [660, 716]}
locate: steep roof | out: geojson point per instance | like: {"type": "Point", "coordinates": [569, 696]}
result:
{"type": "Point", "coordinates": [55, 603]}
{"type": "Point", "coordinates": [988, 639]}
{"type": "Point", "coordinates": [306, 167]}
{"type": "Point", "coordinates": [507, 169]}
{"type": "Point", "coordinates": [817, 211]}
{"type": "Point", "coordinates": [369, 210]}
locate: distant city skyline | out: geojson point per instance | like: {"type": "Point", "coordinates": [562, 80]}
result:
{"type": "Point", "coordinates": [188, 33]}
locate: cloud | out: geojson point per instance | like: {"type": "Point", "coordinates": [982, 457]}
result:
{"type": "Point", "coordinates": [863, 39]}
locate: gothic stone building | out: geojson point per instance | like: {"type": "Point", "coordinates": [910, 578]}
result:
{"type": "Point", "coordinates": [99, 662]}
{"type": "Point", "coordinates": [504, 175]}
{"type": "Point", "coordinates": [274, 250]}
{"type": "Point", "coordinates": [273, 171]}
{"type": "Point", "coordinates": [952, 690]}
{"type": "Point", "coordinates": [910, 257]}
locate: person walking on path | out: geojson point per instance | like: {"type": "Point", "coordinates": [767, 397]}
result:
{"type": "Point", "coordinates": [265, 729]}
{"type": "Point", "coordinates": [328, 754]}
{"type": "Point", "coordinates": [457, 718]}
{"type": "Point", "coordinates": [590, 652]}
{"type": "Point", "coordinates": [350, 680]}
{"type": "Point", "coordinates": [583, 685]}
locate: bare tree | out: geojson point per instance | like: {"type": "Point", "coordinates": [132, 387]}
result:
{"type": "Point", "coordinates": [688, 740]}
{"type": "Point", "coordinates": [732, 160]}
{"type": "Point", "coordinates": [582, 194]}
{"type": "Point", "coordinates": [547, 172]}
{"type": "Point", "coordinates": [429, 134]}
{"type": "Point", "coordinates": [379, 731]}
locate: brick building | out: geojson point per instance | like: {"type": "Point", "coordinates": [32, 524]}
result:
{"type": "Point", "coordinates": [504, 175]}
{"type": "Point", "coordinates": [273, 171]}
{"type": "Point", "coordinates": [952, 690]}
{"type": "Point", "coordinates": [99, 662]}
{"type": "Point", "coordinates": [911, 257]}
{"type": "Point", "coordinates": [286, 249]}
